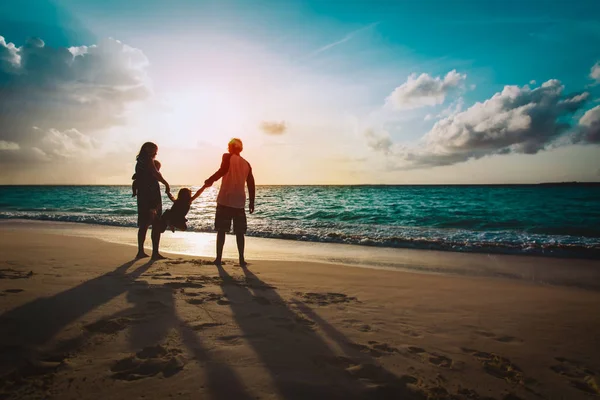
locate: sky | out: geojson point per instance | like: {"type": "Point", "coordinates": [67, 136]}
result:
{"type": "Point", "coordinates": [320, 92]}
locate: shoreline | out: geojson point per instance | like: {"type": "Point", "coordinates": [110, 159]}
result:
{"type": "Point", "coordinates": [580, 273]}
{"type": "Point", "coordinates": [550, 250]}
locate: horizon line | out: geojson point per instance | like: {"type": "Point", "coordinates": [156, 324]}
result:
{"type": "Point", "coordinates": [331, 184]}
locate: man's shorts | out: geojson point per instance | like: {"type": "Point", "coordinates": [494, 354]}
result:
{"type": "Point", "coordinates": [225, 215]}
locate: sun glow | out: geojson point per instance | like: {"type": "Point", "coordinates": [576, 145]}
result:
{"type": "Point", "coordinates": [206, 115]}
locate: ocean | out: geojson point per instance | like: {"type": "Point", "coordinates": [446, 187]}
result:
{"type": "Point", "coordinates": [545, 220]}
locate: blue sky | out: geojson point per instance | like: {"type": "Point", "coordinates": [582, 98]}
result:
{"type": "Point", "coordinates": [333, 81]}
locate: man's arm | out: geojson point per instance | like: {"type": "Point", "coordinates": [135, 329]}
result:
{"type": "Point", "coordinates": [221, 172]}
{"type": "Point", "coordinates": [251, 190]}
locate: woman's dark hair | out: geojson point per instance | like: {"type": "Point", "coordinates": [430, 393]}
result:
{"type": "Point", "coordinates": [184, 194]}
{"type": "Point", "coordinates": [146, 147]}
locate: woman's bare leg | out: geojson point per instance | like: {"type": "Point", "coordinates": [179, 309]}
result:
{"type": "Point", "coordinates": [155, 235]}
{"type": "Point", "coordinates": [141, 239]}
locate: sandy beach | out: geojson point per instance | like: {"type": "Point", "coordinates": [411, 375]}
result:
{"type": "Point", "coordinates": [82, 320]}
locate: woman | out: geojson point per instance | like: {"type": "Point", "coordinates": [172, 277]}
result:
{"type": "Point", "coordinates": [149, 200]}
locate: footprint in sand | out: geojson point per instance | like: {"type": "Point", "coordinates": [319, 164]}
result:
{"type": "Point", "coordinates": [364, 349]}
{"type": "Point", "coordinates": [201, 298]}
{"type": "Point", "coordinates": [167, 277]}
{"type": "Point", "coordinates": [206, 325]}
{"type": "Point", "coordinates": [234, 340]}
{"type": "Point", "coordinates": [416, 350]}
{"type": "Point", "coordinates": [109, 326]}
{"type": "Point", "coordinates": [439, 360]}
{"type": "Point", "coordinates": [149, 362]}
{"type": "Point", "coordinates": [297, 322]}
{"type": "Point", "coordinates": [13, 290]}
{"type": "Point", "coordinates": [9, 273]}
{"type": "Point", "coordinates": [499, 367]}
{"type": "Point", "coordinates": [375, 349]}
{"type": "Point", "coordinates": [184, 285]}
{"type": "Point", "coordinates": [580, 376]}
{"type": "Point", "coordinates": [502, 338]}
{"type": "Point", "coordinates": [357, 324]}
{"type": "Point", "coordinates": [382, 384]}
{"type": "Point", "coordinates": [163, 274]}
{"type": "Point", "coordinates": [324, 299]}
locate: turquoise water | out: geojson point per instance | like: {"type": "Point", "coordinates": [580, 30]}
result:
{"type": "Point", "coordinates": [548, 220]}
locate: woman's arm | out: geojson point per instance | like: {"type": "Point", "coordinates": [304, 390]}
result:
{"type": "Point", "coordinates": [159, 176]}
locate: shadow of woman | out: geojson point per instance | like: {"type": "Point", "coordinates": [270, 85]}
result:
{"type": "Point", "coordinates": [150, 319]}
{"type": "Point", "coordinates": [155, 308]}
{"type": "Point", "coordinates": [37, 322]}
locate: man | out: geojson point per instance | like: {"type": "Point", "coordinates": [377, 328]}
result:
{"type": "Point", "coordinates": [231, 201]}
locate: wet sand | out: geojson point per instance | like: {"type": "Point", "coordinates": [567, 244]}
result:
{"type": "Point", "coordinates": [81, 319]}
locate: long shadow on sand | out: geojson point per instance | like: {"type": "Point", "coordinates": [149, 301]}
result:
{"type": "Point", "coordinates": [38, 321]}
{"type": "Point", "coordinates": [299, 361]}
{"type": "Point", "coordinates": [150, 319]}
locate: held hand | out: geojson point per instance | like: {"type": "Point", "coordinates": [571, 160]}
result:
{"type": "Point", "coordinates": [198, 193]}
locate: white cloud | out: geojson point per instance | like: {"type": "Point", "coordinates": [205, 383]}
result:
{"type": "Point", "coordinates": [67, 144]}
{"type": "Point", "coordinates": [595, 72]}
{"type": "Point", "coordinates": [424, 90]}
{"type": "Point", "coordinates": [453, 108]}
{"type": "Point", "coordinates": [379, 141]}
{"type": "Point", "coordinates": [8, 146]}
{"type": "Point", "coordinates": [516, 120]}
{"type": "Point", "coordinates": [67, 92]}
{"type": "Point", "coordinates": [51, 145]}
{"type": "Point", "coordinates": [273, 128]}
{"type": "Point", "coordinates": [589, 127]}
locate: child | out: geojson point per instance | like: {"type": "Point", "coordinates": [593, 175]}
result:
{"type": "Point", "coordinates": [175, 216]}
{"type": "Point", "coordinates": [134, 184]}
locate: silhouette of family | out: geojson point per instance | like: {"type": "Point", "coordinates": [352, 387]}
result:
{"type": "Point", "coordinates": [235, 173]}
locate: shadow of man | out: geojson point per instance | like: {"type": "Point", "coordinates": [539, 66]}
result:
{"type": "Point", "coordinates": [299, 361]}
{"type": "Point", "coordinates": [362, 370]}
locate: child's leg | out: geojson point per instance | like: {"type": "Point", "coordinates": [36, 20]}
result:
{"type": "Point", "coordinates": [181, 225]}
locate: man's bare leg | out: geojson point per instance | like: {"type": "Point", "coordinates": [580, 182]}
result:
{"type": "Point", "coordinates": [220, 244]}
{"type": "Point", "coordinates": [141, 239]}
{"type": "Point", "coordinates": [241, 243]}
